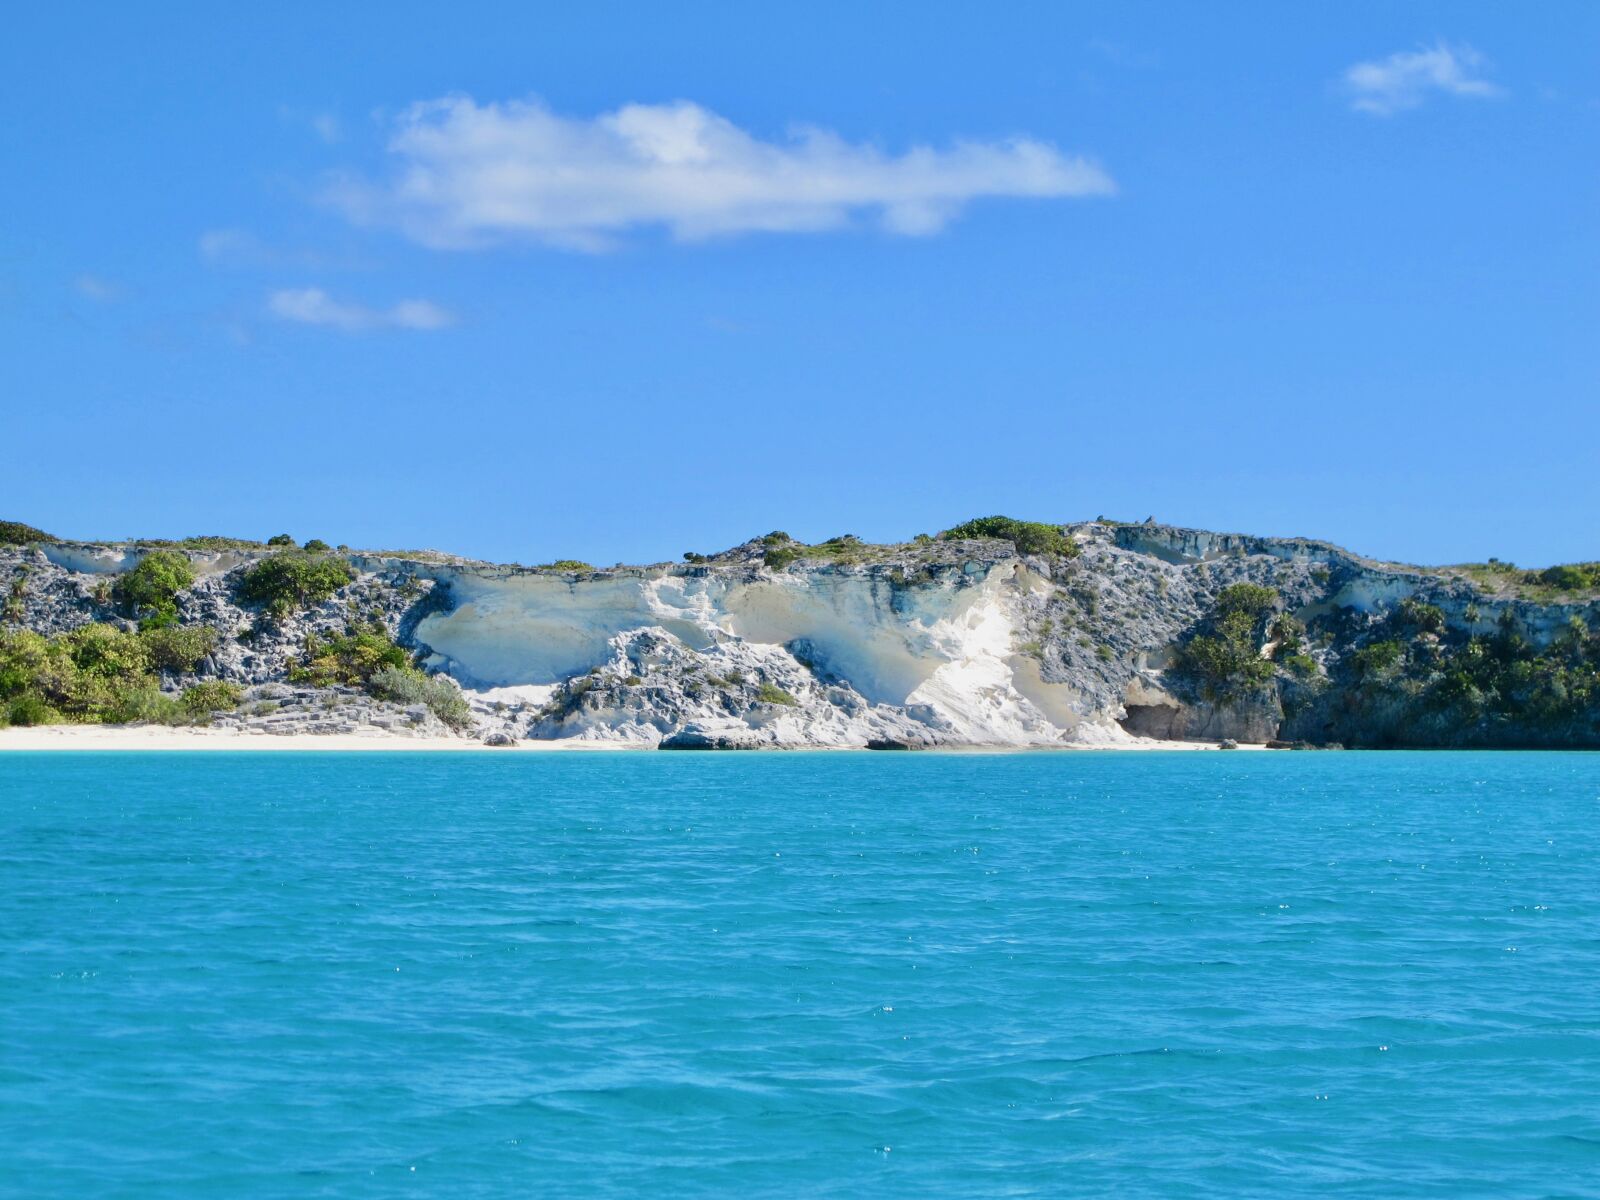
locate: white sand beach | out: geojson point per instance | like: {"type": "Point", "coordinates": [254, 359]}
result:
{"type": "Point", "coordinates": [161, 737]}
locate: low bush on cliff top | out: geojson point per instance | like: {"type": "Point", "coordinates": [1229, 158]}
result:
{"type": "Point", "coordinates": [294, 580]}
{"type": "Point", "coordinates": [15, 533]}
{"type": "Point", "coordinates": [1572, 577]}
{"type": "Point", "coordinates": [1029, 537]}
{"type": "Point", "coordinates": [210, 541]}
{"type": "Point", "coordinates": [1546, 585]}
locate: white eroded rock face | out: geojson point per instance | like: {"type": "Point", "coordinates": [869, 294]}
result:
{"type": "Point", "coordinates": [865, 659]}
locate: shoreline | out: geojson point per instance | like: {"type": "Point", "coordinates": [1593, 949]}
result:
{"type": "Point", "coordinates": [71, 738]}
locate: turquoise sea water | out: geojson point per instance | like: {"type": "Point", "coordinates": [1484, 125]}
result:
{"type": "Point", "coordinates": [248, 975]}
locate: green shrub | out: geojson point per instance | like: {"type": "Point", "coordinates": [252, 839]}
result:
{"type": "Point", "coordinates": [566, 564]}
{"type": "Point", "coordinates": [770, 693]}
{"type": "Point", "coordinates": [779, 557]}
{"type": "Point", "coordinates": [150, 590]}
{"type": "Point", "coordinates": [1288, 633]}
{"type": "Point", "coordinates": [93, 674]}
{"type": "Point", "coordinates": [104, 651]}
{"type": "Point", "coordinates": [287, 582]}
{"type": "Point", "coordinates": [1423, 618]}
{"type": "Point", "coordinates": [776, 538]}
{"type": "Point", "coordinates": [213, 695]}
{"type": "Point", "coordinates": [1572, 577]}
{"type": "Point", "coordinates": [350, 658]}
{"type": "Point", "coordinates": [144, 703]}
{"type": "Point", "coordinates": [15, 533]}
{"type": "Point", "coordinates": [1029, 537]}
{"type": "Point", "coordinates": [407, 685]}
{"type": "Point", "coordinates": [1302, 665]}
{"type": "Point", "coordinates": [1227, 658]}
{"type": "Point", "coordinates": [31, 709]}
{"type": "Point", "coordinates": [316, 546]}
{"type": "Point", "coordinates": [1378, 657]}
{"type": "Point", "coordinates": [178, 648]}
{"type": "Point", "coordinates": [280, 539]}
{"type": "Point", "coordinates": [202, 542]}
{"type": "Point", "coordinates": [1251, 599]}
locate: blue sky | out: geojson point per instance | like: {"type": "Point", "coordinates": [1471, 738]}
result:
{"type": "Point", "coordinates": [620, 281]}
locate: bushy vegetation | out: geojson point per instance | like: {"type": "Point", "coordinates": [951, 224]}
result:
{"type": "Point", "coordinates": [350, 658]}
{"type": "Point", "coordinates": [287, 582]}
{"type": "Point", "coordinates": [771, 693]}
{"type": "Point", "coordinates": [1419, 617]}
{"type": "Point", "coordinates": [204, 542]}
{"type": "Point", "coordinates": [367, 657]}
{"type": "Point", "coordinates": [15, 605]}
{"type": "Point", "coordinates": [211, 695]}
{"type": "Point", "coordinates": [1572, 577]}
{"type": "Point", "coordinates": [1289, 635]}
{"type": "Point", "coordinates": [778, 557]}
{"type": "Point", "coordinates": [1549, 584]}
{"type": "Point", "coordinates": [280, 539]}
{"type": "Point", "coordinates": [15, 533]}
{"type": "Point", "coordinates": [150, 590]}
{"type": "Point", "coordinates": [97, 674]}
{"type": "Point", "coordinates": [1029, 537]}
{"type": "Point", "coordinates": [316, 546]}
{"type": "Point", "coordinates": [407, 685]}
{"type": "Point", "coordinates": [566, 564]}
{"type": "Point", "coordinates": [1226, 659]}
{"type": "Point", "coordinates": [1503, 675]}
{"type": "Point", "coordinates": [179, 649]}
{"type": "Point", "coordinates": [1378, 658]}
{"type": "Point", "coordinates": [1416, 686]}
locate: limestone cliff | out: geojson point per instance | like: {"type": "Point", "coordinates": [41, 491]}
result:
{"type": "Point", "coordinates": [937, 643]}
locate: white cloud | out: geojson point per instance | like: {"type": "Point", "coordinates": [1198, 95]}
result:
{"type": "Point", "coordinates": [475, 175]}
{"type": "Point", "coordinates": [93, 287]}
{"type": "Point", "coordinates": [1406, 79]}
{"type": "Point", "coordinates": [313, 306]}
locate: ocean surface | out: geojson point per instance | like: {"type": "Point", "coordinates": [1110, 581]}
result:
{"type": "Point", "coordinates": [806, 974]}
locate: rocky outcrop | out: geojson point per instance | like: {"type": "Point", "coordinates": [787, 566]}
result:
{"type": "Point", "coordinates": [920, 645]}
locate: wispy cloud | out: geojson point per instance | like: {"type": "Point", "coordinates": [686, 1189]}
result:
{"type": "Point", "coordinates": [1119, 54]}
{"type": "Point", "coordinates": [1404, 80]}
{"type": "Point", "coordinates": [313, 306]}
{"type": "Point", "coordinates": [231, 247]}
{"type": "Point", "coordinates": [241, 249]}
{"type": "Point", "coordinates": [328, 127]}
{"type": "Point", "coordinates": [476, 175]}
{"type": "Point", "coordinates": [93, 287]}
